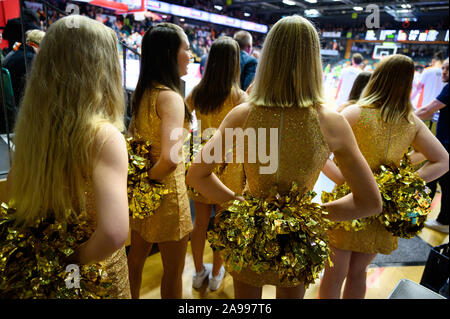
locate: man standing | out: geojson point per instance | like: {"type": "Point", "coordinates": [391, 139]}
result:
{"type": "Point", "coordinates": [441, 103]}
{"type": "Point", "coordinates": [248, 62]}
{"type": "Point", "coordinates": [430, 83]}
{"type": "Point", "coordinates": [346, 79]}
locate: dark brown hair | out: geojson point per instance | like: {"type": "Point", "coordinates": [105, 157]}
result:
{"type": "Point", "coordinates": [159, 62]}
{"type": "Point", "coordinates": [221, 76]}
{"type": "Point", "coordinates": [358, 86]}
{"type": "Point", "coordinates": [357, 58]}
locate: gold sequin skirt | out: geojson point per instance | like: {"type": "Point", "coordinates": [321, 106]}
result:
{"type": "Point", "coordinates": [117, 269]}
{"type": "Point", "coordinates": [374, 239]}
{"type": "Point", "coordinates": [172, 220]}
{"type": "Point", "coordinates": [232, 176]}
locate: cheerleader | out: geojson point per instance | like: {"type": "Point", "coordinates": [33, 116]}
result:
{"type": "Point", "coordinates": [385, 127]}
{"type": "Point", "coordinates": [71, 158]}
{"type": "Point", "coordinates": [159, 114]}
{"type": "Point", "coordinates": [286, 100]}
{"type": "Point", "coordinates": [217, 93]}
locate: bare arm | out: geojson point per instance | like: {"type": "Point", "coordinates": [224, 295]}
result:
{"type": "Point", "coordinates": [416, 157]}
{"type": "Point", "coordinates": [200, 174]}
{"type": "Point", "coordinates": [111, 201]}
{"type": "Point", "coordinates": [332, 172]}
{"type": "Point", "coordinates": [170, 108]}
{"type": "Point", "coordinates": [426, 112]}
{"type": "Point", "coordinates": [418, 88]}
{"type": "Point", "coordinates": [428, 145]}
{"type": "Point", "coordinates": [364, 199]}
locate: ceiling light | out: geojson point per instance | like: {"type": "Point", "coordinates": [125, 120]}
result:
{"type": "Point", "coordinates": [289, 2]}
{"type": "Point", "coordinates": [358, 8]}
{"type": "Point", "coordinates": [246, 14]}
{"type": "Point", "coordinates": [311, 1]}
{"type": "Point", "coordinates": [312, 13]}
{"type": "Point", "coordinates": [217, 7]}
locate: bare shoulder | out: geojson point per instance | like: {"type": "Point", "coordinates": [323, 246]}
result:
{"type": "Point", "coordinates": [237, 116]}
{"type": "Point", "coordinates": [330, 120]}
{"type": "Point", "coordinates": [169, 102]}
{"type": "Point", "coordinates": [107, 131]}
{"type": "Point", "coordinates": [169, 96]}
{"type": "Point", "coordinates": [351, 113]}
{"type": "Point", "coordinates": [240, 96]}
{"type": "Point", "coordinates": [334, 126]}
{"type": "Point", "coordinates": [420, 125]}
{"type": "Point", "coordinates": [109, 144]}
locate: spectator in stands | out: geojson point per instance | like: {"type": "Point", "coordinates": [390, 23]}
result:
{"type": "Point", "coordinates": [203, 61]}
{"type": "Point", "coordinates": [358, 86]}
{"type": "Point", "coordinates": [441, 103]}
{"type": "Point", "coordinates": [248, 62]}
{"type": "Point", "coordinates": [430, 83]}
{"type": "Point", "coordinates": [15, 61]}
{"type": "Point", "coordinates": [347, 77]}
{"type": "Point", "coordinates": [256, 53]}
{"type": "Point", "coordinates": [13, 30]}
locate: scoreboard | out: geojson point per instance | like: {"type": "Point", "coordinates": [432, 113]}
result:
{"type": "Point", "coordinates": [407, 35]}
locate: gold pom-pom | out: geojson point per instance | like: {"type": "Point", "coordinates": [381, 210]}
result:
{"type": "Point", "coordinates": [284, 234]}
{"type": "Point", "coordinates": [144, 195]}
{"type": "Point", "coordinates": [406, 201]}
{"type": "Point", "coordinates": [33, 259]}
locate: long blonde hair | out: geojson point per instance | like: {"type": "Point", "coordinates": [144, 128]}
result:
{"type": "Point", "coordinates": [389, 88]}
{"type": "Point", "coordinates": [74, 87]}
{"type": "Point", "coordinates": [289, 72]}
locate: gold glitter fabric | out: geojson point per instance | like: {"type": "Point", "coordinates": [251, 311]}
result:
{"type": "Point", "coordinates": [144, 195]}
{"type": "Point", "coordinates": [282, 235]}
{"type": "Point", "coordinates": [381, 144]}
{"type": "Point", "coordinates": [171, 221]}
{"type": "Point", "coordinates": [302, 152]}
{"type": "Point", "coordinates": [406, 201]}
{"type": "Point", "coordinates": [33, 259]}
{"type": "Point", "coordinates": [231, 174]}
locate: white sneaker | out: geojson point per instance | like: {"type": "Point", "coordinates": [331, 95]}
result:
{"type": "Point", "coordinates": [434, 224]}
{"type": "Point", "coordinates": [199, 278]}
{"type": "Point", "coordinates": [214, 282]}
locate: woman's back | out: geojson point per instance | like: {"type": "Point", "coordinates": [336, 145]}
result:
{"type": "Point", "coordinates": [301, 150]}
{"type": "Point", "coordinates": [380, 142]}
{"type": "Point", "coordinates": [213, 119]}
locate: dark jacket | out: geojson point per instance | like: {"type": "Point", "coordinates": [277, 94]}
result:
{"type": "Point", "coordinates": [248, 69]}
{"type": "Point", "coordinates": [15, 63]}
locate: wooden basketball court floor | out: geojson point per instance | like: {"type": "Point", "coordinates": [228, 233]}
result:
{"type": "Point", "coordinates": [381, 281]}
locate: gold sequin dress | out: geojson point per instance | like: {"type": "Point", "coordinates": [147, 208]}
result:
{"type": "Point", "coordinates": [116, 265]}
{"type": "Point", "coordinates": [302, 153]}
{"type": "Point", "coordinates": [380, 143]}
{"type": "Point", "coordinates": [231, 174]}
{"type": "Point", "coordinates": [172, 220]}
